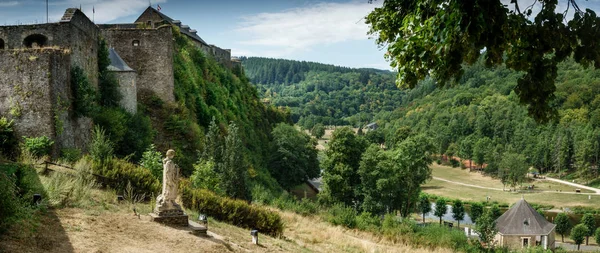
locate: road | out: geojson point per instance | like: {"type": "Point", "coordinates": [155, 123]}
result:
{"type": "Point", "coordinates": [596, 190]}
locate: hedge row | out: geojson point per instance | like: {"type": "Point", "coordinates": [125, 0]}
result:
{"type": "Point", "coordinates": [118, 173]}
{"type": "Point", "coordinates": [235, 212]}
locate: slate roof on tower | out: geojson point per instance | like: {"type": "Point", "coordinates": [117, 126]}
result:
{"type": "Point", "coordinates": [116, 62]}
{"type": "Point", "coordinates": [522, 219]}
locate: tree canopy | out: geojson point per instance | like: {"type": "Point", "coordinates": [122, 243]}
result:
{"type": "Point", "coordinates": [438, 37]}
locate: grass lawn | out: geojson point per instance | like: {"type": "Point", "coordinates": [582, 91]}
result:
{"type": "Point", "coordinates": [468, 193]}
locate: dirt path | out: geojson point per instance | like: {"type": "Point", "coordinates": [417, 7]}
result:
{"type": "Point", "coordinates": [596, 190]}
{"type": "Point", "coordinates": [75, 230]}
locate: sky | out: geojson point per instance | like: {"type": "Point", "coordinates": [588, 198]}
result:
{"type": "Point", "coordinates": [326, 31]}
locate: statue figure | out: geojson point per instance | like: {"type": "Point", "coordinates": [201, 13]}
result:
{"type": "Point", "coordinates": [165, 203]}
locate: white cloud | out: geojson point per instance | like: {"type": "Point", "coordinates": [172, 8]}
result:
{"type": "Point", "coordinates": [300, 29]}
{"type": "Point", "coordinates": [107, 10]}
{"type": "Point", "coordinates": [8, 3]}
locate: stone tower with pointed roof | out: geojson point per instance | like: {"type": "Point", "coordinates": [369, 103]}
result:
{"type": "Point", "coordinates": [126, 77]}
{"type": "Point", "coordinates": [522, 226]}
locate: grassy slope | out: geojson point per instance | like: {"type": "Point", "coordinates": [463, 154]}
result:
{"type": "Point", "coordinates": [104, 225]}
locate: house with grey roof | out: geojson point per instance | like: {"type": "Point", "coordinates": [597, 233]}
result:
{"type": "Point", "coordinates": [522, 226]}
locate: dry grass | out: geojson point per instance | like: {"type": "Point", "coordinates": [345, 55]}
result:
{"type": "Point", "coordinates": [310, 234]}
{"type": "Point", "coordinates": [451, 190]}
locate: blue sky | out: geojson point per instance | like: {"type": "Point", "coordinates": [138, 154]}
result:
{"type": "Point", "coordinates": [327, 31]}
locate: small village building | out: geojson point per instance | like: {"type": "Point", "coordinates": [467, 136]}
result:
{"type": "Point", "coordinates": [522, 227]}
{"type": "Point", "coordinates": [372, 126]}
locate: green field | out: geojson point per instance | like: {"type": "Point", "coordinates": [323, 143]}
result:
{"type": "Point", "coordinates": [541, 195]}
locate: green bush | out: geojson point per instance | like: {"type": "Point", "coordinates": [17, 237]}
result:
{"type": "Point", "coordinates": [18, 183]}
{"type": "Point", "coordinates": [8, 141]}
{"type": "Point", "coordinates": [119, 173]}
{"type": "Point", "coordinates": [235, 212]}
{"type": "Point", "coordinates": [339, 214]}
{"type": "Point", "coordinates": [368, 222]}
{"type": "Point", "coordinates": [454, 163]}
{"type": "Point", "coordinates": [70, 155]}
{"type": "Point", "coordinates": [9, 203]}
{"type": "Point", "coordinates": [38, 146]}
{"type": "Point", "coordinates": [152, 160]}
{"type": "Point", "coordinates": [101, 148]}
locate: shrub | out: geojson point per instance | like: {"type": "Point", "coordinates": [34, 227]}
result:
{"type": "Point", "coordinates": [38, 146]}
{"type": "Point", "coordinates": [8, 200]}
{"type": "Point", "coordinates": [339, 214]}
{"type": "Point", "coordinates": [235, 212]}
{"type": "Point", "coordinates": [70, 155]}
{"type": "Point", "coordinates": [368, 222]}
{"type": "Point", "coordinates": [454, 163]}
{"type": "Point", "coordinates": [118, 173]}
{"type": "Point", "coordinates": [8, 141]}
{"type": "Point", "coordinates": [152, 160]}
{"type": "Point", "coordinates": [101, 148]}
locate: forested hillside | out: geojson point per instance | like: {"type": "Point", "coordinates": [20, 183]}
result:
{"type": "Point", "coordinates": [481, 119]}
{"type": "Point", "coordinates": [321, 93]}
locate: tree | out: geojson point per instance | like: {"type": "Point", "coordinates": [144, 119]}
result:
{"type": "Point", "coordinates": [375, 136]}
{"type": "Point", "coordinates": [318, 131]}
{"type": "Point", "coordinates": [476, 211]}
{"type": "Point", "coordinates": [391, 181]}
{"type": "Point", "coordinates": [444, 35]}
{"type": "Point", "coordinates": [458, 211]}
{"type": "Point", "coordinates": [578, 234]}
{"type": "Point", "coordinates": [465, 149]}
{"type": "Point", "coordinates": [340, 167]}
{"type": "Point", "coordinates": [495, 211]}
{"type": "Point", "coordinates": [480, 150]}
{"type": "Point", "coordinates": [590, 223]}
{"type": "Point", "coordinates": [486, 227]}
{"type": "Point", "coordinates": [440, 209]}
{"type": "Point", "coordinates": [563, 225]}
{"type": "Point", "coordinates": [513, 168]}
{"type": "Point", "coordinates": [293, 158]}
{"type": "Point", "coordinates": [424, 206]}
{"type": "Point", "coordinates": [597, 235]}
{"type": "Point", "coordinates": [224, 155]}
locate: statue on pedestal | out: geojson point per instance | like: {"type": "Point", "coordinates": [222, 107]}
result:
{"type": "Point", "coordinates": [165, 202]}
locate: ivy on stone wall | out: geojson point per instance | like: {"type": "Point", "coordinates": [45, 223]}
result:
{"type": "Point", "coordinates": [84, 95]}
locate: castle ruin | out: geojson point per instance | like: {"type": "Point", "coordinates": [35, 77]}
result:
{"type": "Point", "coordinates": [36, 62]}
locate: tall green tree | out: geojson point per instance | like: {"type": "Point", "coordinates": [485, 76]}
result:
{"type": "Point", "coordinates": [440, 209]}
{"type": "Point", "coordinates": [318, 131]}
{"type": "Point", "coordinates": [480, 150]}
{"type": "Point", "coordinates": [293, 158]}
{"type": "Point", "coordinates": [458, 211]}
{"type": "Point", "coordinates": [563, 225]}
{"type": "Point", "coordinates": [578, 234]}
{"type": "Point", "coordinates": [476, 211]}
{"type": "Point", "coordinates": [340, 167]}
{"type": "Point", "coordinates": [424, 206]}
{"type": "Point", "coordinates": [590, 223]}
{"type": "Point", "coordinates": [514, 168]}
{"type": "Point", "coordinates": [447, 34]}
{"type": "Point", "coordinates": [486, 227]}
{"type": "Point", "coordinates": [465, 149]}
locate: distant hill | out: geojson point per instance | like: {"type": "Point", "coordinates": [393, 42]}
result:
{"type": "Point", "coordinates": [322, 93]}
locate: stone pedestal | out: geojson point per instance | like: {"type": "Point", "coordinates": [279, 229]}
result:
{"type": "Point", "coordinates": [198, 229]}
{"type": "Point", "coordinates": [173, 220]}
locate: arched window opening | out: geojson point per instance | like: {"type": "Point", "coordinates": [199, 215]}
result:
{"type": "Point", "coordinates": [135, 43]}
{"type": "Point", "coordinates": [1, 44]}
{"type": "Point", "coordinates": [35, 41]}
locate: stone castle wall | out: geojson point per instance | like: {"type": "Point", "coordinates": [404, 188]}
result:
{"type": "Point", "coordinates": [33, 94]}
{"type": "Point", "coordinates": [150, 53]}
